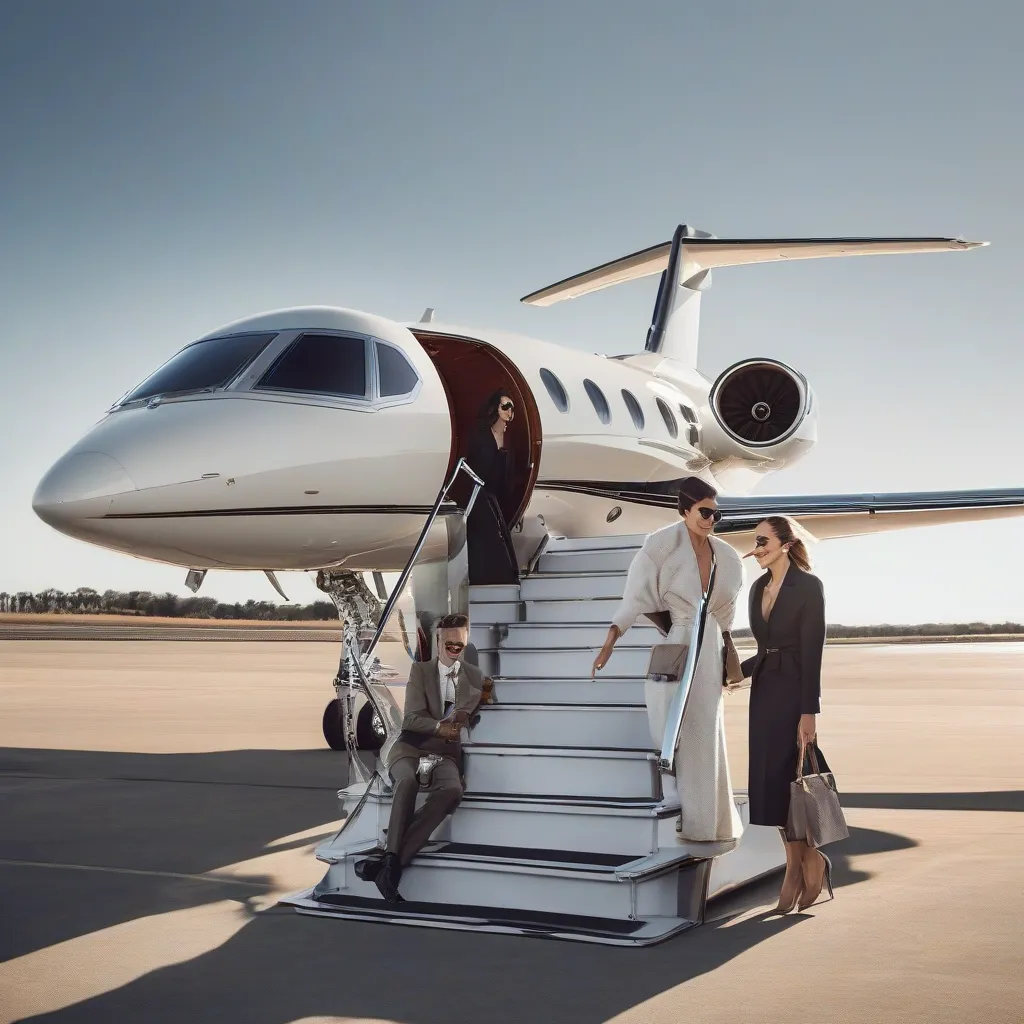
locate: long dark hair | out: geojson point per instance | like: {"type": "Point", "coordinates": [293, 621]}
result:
{"type": "Point", "coordinates": [783, 527]}
{"type": "Point", "coordinates": [693, 490]}
{"type": "Point", "coordinates": [489, 410]}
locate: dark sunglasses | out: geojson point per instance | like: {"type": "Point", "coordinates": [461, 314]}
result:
{"type": "Point", "coordinates": [760, 542]}
{"type": "Point", "coordinates": [506, 406]}
{"type": "Point", "coordinates": [711, 513]}
{"type": "Point", "coordinates": [454, 647]}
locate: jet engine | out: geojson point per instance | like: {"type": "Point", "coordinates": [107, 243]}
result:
{"type": "Point", "coordinates": [764, 412]}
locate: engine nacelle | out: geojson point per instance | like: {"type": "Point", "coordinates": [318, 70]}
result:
{"type": "Point", "coordinates": [765, 413]}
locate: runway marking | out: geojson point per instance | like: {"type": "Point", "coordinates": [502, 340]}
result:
{"type": "Point", "coordinates": [214, 879]}
{"type": "Point", "coordinates": [145, 778]}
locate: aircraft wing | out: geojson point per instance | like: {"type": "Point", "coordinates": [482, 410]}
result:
{"type": "Point", "coordinates": [831, 516]}
{"type": "Point", "coordinates": [825, 516]}
{"type": "Point", "coordinates": [707, 253]}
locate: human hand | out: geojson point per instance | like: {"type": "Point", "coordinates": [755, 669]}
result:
{"type": "Point", "coordinates": [806, 731]}
{"type": "Point", "coordinates": [601, 660]}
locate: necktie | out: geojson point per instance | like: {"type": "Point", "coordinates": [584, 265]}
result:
{"type": "Point", "coordinates": [449, 704]}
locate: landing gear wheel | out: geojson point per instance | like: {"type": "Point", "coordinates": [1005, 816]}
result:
{"type": "Point", "coordinates": [370, 733]}
{"type": "Point", "coordinates": [334, 730]}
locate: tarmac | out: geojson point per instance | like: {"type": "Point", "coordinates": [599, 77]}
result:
{"type": "Point", "coordinates": [157, 797]}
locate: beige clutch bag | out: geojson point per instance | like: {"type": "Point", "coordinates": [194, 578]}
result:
{"type": "Point", "coordinates": [667, 663]}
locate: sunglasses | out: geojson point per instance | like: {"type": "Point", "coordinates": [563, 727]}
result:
{"type": "Point", "coordinates": [760, 542]}
{"type": "Point", "coordinates": [711, 513]}
{"type": "Point", "coordinates": [506, 406]}
{"type": "Point", "coordinates": [454, 647]}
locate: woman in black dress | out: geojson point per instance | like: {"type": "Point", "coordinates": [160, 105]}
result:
{"type": "Point", "coordinates": [787, 618]}
{"type": "Point", "coordinates": [492, 558]}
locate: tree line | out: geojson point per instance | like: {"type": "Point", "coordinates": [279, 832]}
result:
{"type": "Point", "coordinates": [85, 601]}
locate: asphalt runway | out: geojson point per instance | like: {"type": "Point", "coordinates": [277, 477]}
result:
{"type": "Point", "coordinates": [157, 797]}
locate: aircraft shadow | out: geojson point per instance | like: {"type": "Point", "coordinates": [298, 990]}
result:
{"type": "Point", "coordinates": [154, 819]}
{"type": "Point", "coordinates": [187, 814]}
{"type": "Point", "coordinates": [991, 800]}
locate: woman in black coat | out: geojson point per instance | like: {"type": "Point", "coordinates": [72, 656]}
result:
{"type": "Point", "coordinates": [492, 558]}
{"type": "Point", "coordinates": [787, 618]}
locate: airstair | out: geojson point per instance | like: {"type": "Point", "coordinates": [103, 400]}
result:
{"type": "Point", "coordinates": [565, 830]}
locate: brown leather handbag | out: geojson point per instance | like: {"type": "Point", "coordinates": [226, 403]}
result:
{"type": "Point", "coordinates": [815, 814]}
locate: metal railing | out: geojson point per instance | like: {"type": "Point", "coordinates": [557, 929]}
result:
{"type": "Point", "coordinates": [360, 676]}
{"type": "Point", "coordinates": [677, 710]}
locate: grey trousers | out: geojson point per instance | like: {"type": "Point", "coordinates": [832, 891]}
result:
{"type": "Point", "coordinates": [407, 832]}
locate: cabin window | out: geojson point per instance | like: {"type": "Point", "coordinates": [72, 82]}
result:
{"type": "Point", "coordinates": [555, 390]}
{"type": "Point", "coordinates": [202, 366]}
{"type": "Point", "coordinates": [635, 412]}
{"type": "Point", "coordinates": [600, 403]}
{"type": "Point", "coordinates": [692, 429]}
{"type": "Point", "coordinates": [395, 373]}
{"type": "Point", "coordinates": [670, 421]}
{"type": "Point", "coordinates": [688, 414]}
{"type": "Point", "coordinates": [320, 364]}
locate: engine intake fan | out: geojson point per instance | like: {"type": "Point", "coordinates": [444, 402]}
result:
{"type": "Point", "coordinates": [760, 402]}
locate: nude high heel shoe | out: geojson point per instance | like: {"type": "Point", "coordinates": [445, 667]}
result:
{"type": "Point", "coordinates": [826, 881]}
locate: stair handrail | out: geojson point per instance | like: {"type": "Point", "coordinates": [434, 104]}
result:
{"type": "Point", "coordinates": [461, 466]}
{"type": "Point", "coordinates": [677, 710]}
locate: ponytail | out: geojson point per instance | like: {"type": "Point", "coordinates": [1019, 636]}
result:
{"type": "Point", "coordinates": [788, 533]}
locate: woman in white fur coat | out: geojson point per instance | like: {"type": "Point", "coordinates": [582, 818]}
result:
{"type": "Point", "coordinates": [669, 573]}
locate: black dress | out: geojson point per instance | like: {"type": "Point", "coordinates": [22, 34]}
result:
{"type": "Point", "coordinates": [492, 558]}
{"type": "Point", "coordinates": [786, 674]}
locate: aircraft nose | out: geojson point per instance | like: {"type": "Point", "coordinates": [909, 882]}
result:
{"type": "Point", "coordinates": [78, 485]}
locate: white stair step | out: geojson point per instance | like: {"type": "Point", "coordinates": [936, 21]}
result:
{"type": "Point", "coordinates": [486, 613]}
{"type": "Point", "coordinates": [608, 727]}
{"type": "Point", "coordinates": [598, 610]}
{"type": "Point", "coordinates": [552, 636]}
{"type": "Point", "coordinates": [545, 881]}
{"type": "Point", "coordinates": [631, 541]}
{"type": "Point", "coordinates": [624, 828]}
{"type": "Point", "coordinates": [627, 662]}
{"type": "Point", "coordinates": [580, 587]}
{"type": "Point", "coordinates": [607, 560]}
{"type": "Point", "coordinates": [603, 689]}
{"type": "Point", "coordinates": [493, 593]}
{"type": "Point", "coordinates": [548, 771]}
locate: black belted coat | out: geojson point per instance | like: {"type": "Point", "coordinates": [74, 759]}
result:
{"type": "Point", "coordinates": [786, 673]}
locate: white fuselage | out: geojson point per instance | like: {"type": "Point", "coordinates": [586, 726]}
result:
{"type": "Point", "coordinates": [237, 474]}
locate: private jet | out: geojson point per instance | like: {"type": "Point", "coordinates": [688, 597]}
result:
{"type": "Point", "coordinates": [333, 440]}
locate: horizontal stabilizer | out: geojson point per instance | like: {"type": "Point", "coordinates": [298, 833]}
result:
{"type": "Point", "coordinates": [706, 253]}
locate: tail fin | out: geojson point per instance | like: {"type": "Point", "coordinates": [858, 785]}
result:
{"type": "Point", "coordinates": [686, 262]}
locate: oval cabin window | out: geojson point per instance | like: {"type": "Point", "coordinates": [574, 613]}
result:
{"type": "Point", "coordinates": [555, 390]}
{"type": "Point", "coordinates": [600, 403]}
{"type": "Point", "coordinates": [670, 421]}
{"type": "Point", "coordinates": [635, 412]}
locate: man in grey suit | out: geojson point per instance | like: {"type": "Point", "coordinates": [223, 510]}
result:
{"type": "Point", "coordinates": [440, 697]}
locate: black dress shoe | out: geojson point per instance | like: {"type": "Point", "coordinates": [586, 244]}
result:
{"type": "Point", "coordinates": [369, 868]}
{"type": "Point", "coordinates": [388, 877]}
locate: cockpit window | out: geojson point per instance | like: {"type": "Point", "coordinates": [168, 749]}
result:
{"type": "Point", "coordinates": [202, 366]}
{"type": "Point", "coordinates": [397, 377]}
{"type": "Point", "coordinates": [320, 364]}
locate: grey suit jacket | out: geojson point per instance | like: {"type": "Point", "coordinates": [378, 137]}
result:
{"type": "Point", "coordinates": [423, 710]}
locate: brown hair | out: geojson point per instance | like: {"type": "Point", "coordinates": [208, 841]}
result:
{"type": "Point", "coordinates": [783, 527]}
{"type": "Point", "coordinates": [693, 490]}
{"type": "Point", "coordinates": [453, 621]}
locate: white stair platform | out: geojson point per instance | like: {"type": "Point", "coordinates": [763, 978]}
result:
{"type": "Point", "coordinates": [564, 830]}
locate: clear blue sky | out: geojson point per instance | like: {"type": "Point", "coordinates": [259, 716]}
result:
{"type": "Point", "coordinates": [166, 167]}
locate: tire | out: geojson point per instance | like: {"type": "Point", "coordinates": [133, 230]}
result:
{"type": "Point", "coordinates": [334, 731]}
{"type": "Point", "coordinates": [369, 729]}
